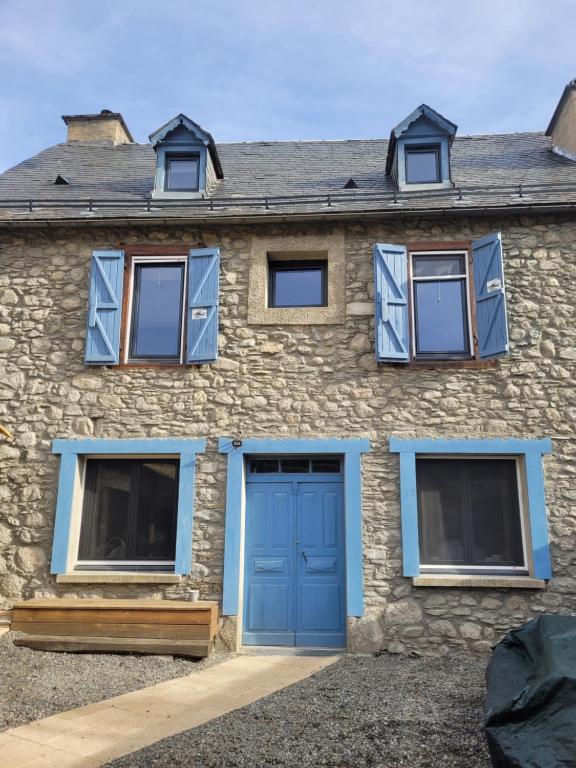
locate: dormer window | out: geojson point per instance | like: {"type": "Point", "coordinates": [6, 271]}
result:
{"type": "Point", "coordinates": [182, 173]}
{"type": "Point", "coordinates": [419, 151]}
{"type": "Point", "coordinates": [187, 163]}
{"type": "Point", "coordinates": [422, 164]}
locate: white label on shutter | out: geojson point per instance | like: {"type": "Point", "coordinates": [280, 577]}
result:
{"type": "Point", "coordinates": [494, 285]}
{"type": "Point", "coordinates": [199, 314]}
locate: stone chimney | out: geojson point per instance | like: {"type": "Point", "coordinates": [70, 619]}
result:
{"type": "Point", "coordinates": [108, 127]}
{"type": "Point", "coordinates": [562, 128]}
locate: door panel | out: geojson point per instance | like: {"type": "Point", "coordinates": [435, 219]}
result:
{"type": "Point", "coordinates": [294, 567]}
{"type": "Point", "coordinates": [319, 566]}
{"type": "Point", "coordinates": [269, 566]}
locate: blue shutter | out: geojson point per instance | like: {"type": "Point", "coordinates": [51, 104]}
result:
{"type": "Point", "coordinates": [203, 272]}
{"type": "Point", "coordinates": [391, 298]}
{"type": "Point", "coordinates": [491, 321]}
{"type": "Point", "coordinates": [105, 308]}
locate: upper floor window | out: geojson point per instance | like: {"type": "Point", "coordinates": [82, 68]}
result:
{"type": "Point", "coordinates": [422, 164]}
{"type": "Point", "coordinates": [153, 306]}
{"type": "Point", "coordinates": [182, 173]}
{"type": "Point", "coordinates": [157, 317]}
{"type": "Point", "coordinates": [440, 304]}
{"type": "Point", "coordinates": [298, 283]}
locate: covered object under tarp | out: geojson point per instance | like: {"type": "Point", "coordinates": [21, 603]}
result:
{"type": "Point", "coordinates": [530, 711]}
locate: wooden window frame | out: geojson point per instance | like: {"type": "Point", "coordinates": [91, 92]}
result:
{"type": "Point", "coordinates": [474, 361]}
{"type": "Point", "coordinates": [148, 250]}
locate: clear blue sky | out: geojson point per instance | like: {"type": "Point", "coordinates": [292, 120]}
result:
{"type": "Point", "coordinates": [271, 69]}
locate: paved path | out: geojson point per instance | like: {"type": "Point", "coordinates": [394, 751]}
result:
{"type": "Point", "coordinates": [90, 736]}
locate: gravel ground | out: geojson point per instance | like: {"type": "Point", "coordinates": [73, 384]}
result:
{"type": "Point", "coordinates": [35, 684]}
{"type": "Point", "coordinates": [380, 711]}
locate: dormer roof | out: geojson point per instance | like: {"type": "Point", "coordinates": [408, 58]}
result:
{"type": "Point", "coordinates": [181, 123]}
{"type": "Point", "coordinates": [445, 128]}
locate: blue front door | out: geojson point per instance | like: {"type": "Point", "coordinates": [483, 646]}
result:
{"type": "Point", "coordinates": [294, 568]}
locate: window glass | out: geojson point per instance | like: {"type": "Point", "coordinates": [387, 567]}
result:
{"type": "Point", "coordinates": [441, 317]}
{"type": "Point", "coordinates": [182, 174]}
{"type": "Point", "coordinates": [297, 284]}
{"type": "Point", "coordinates": [295, 465]}
{"type": "Point", "coordinates": [422, 165]}
{"type": "Point", "coordinates": [468, 512]}
{"type": "Point", "coordinates": [157, 311]}
{"type": "Point", "coordinates": [438, 266]}
{"type": "Point", "coordinates": [328, 464]}
{"type": "Point", "coordinates": [129, 509]}
{"type": "Point", "coordinates": [264, 465]}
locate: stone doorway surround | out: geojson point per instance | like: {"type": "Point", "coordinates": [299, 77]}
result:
{"type": "Point", "coordinates": [237, 449]}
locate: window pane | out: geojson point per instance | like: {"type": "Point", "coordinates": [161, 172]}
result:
{"type": "Point", "coordinates": [264, 465]}
{"type": "Point", "coordinates": [440, 314]}
{"type": "Point", "coordinates": [422, 166]}
{"type": "Point", "coordinates": [297, 287]}
{"type": "Point", "coordinates": [468, 512]}
{"type": "Point", "coordinates": [496, 537]}
{"type": "Point", "coordinates": [440, 506]}
{"type": "Point", "coordinates": [295, 465]}
{"type": "Point", "coordinates": [155, 514]}
{"type": "Point", "coordinates": [105, 525]}
{"type": "Point", "coordinates": [438, 266]}
{"type": "Point", "coordinates": [182, 174]}
{"type": "Point", "coordinates": [157, 313]}
{"type": "Point", "coordinates": [129, 510]}
{"type": "Point", "coordinates": [326, 465]}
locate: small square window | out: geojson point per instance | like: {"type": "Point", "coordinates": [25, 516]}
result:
{"type": "Point", "coordinates": [469, 514]}
{"type": "Point", "coordinates": [182, 173]}
{"type": "Point", "coordinates": [157, 311]}
{"type": "Point", "coordinates": [440, 305]}
{"type": "Point", "coordinates": [422, 165]}
{"type": "Point", "coordinates": [129, 513]}
{"type": "Point", "coordinates": [297, 284]}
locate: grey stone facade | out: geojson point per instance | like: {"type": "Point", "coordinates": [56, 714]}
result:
{"type": "Point", "coordinates": [291, 381]}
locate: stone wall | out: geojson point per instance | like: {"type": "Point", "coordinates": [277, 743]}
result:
{"type": "Point", "coordinates": [293, 381]}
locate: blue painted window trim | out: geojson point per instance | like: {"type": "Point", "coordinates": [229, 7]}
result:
{"type": "Point", "coordinates": [531, 451]}
{"type": "Point", "coordinates": [235, 505]}
{"type": "Point", "coordinates": [71, 451]}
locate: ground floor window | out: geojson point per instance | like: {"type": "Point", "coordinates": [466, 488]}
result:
{"type": "Point", "coordinates": [125, 505]}
{"type": "Point", "coordinates": [129, 512]}
{"type": "Point", "coordinates": [469, 514]}
{"type": "Point", "coordinates": [474, 508]}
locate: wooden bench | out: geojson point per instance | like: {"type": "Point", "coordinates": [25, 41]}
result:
{"type": "Point", "coordinates": [175, 627]}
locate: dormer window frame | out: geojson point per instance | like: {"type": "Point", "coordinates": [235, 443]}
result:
{"type": "Point", "coordinates": [404, 145]}
{"type": "Point", "coordinates": [168, 151]}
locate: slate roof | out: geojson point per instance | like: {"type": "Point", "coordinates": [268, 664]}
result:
{"type": "Point", "coordinates": [270, 179]}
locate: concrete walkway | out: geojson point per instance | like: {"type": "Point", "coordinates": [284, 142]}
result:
{"type": "Point", "coordinates": [90, 736]}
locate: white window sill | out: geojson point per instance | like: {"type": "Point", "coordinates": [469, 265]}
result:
{"type": "Point", "coordinates": [117, 577]}
{"type": "Point", "coordinates": [466, 580]}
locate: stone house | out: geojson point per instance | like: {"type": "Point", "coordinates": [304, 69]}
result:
{"type": "Point", "coordinates": [329, 384]}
